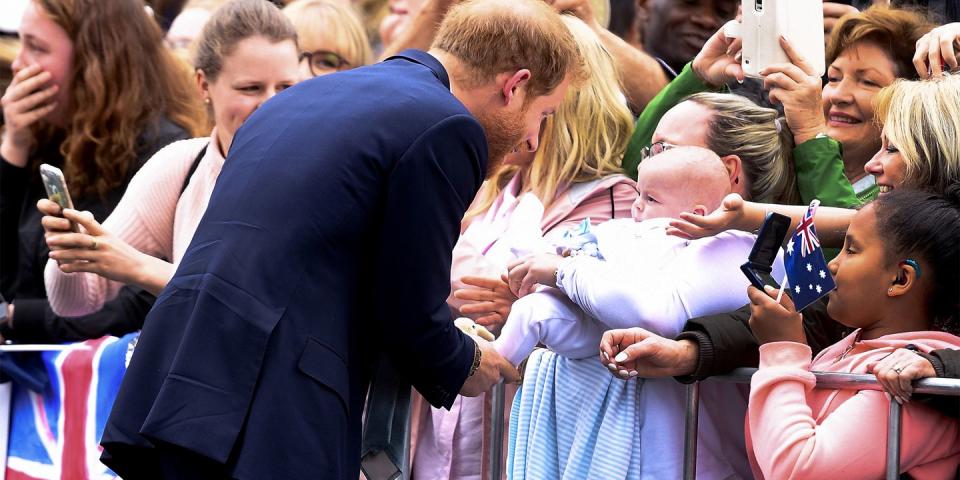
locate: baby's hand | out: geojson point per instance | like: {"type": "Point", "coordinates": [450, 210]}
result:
{"type": "Point", "coordinates": [528, 272]}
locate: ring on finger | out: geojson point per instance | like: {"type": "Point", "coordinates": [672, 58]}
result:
{"type": "Point", "coordinates": [899, 370]}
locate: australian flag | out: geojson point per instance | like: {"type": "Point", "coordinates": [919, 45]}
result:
{"type": "Point", "coordinates": [55, 433]}
{"type": "Point", "coordinates": [807, 272]}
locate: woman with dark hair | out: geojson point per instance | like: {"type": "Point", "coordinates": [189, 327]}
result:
{"type": "Point", "coordinates": [96, 94]}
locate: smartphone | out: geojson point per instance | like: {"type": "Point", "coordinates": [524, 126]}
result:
{"type": "Point", "coordinates": [764, 252]}
{"type": "Point", "coordinates": [764, 21]}
{"type": "Point", "coordinates": [56, 187]}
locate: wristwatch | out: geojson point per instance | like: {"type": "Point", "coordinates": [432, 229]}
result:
{"type": "Point", "coordinates": [476, 359]}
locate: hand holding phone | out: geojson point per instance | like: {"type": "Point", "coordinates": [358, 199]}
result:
{"type": "Point", "coordinates": [765, 21]}
{"type": "Point", "coordinates": [56, 187]}
{"type": "Point", "coordinates": [764, 252]}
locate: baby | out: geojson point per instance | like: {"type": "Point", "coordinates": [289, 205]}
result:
{"type": "Point", "coordinates": [641, 276]}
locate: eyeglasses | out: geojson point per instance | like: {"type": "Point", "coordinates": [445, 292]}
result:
{"type": "Point", "coordinates": [323, 61]}
{"type": "Point", "coordinates": [656, 148]}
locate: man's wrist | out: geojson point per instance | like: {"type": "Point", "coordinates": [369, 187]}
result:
{"type": "Point", "coordinates": [477, 357]}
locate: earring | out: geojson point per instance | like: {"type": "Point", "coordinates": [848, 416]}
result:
{"type": "Point", "coordinates": [206, 100]}
{"type": "Point", "coordinates": [890, 291]}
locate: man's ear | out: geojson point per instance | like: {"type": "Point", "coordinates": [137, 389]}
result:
{"type": "Point", "coordinates": [514, 86]}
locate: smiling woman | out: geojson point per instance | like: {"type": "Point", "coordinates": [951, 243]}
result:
{"type": "Point", "coordinates": [246, 54]}
{"type": "Point", "coordinates": [921, 135]}
{"type": "Point", "coordinates": [867, 51]}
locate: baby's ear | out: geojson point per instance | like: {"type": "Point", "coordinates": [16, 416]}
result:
{"type": "Point", "coordinates": [700, 210]}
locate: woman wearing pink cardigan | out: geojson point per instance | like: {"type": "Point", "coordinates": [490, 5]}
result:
{"type": "Point", "coordinates": [574, 175]}
{"type": "Point", "coordinates": [898, 286]}
{"type": "Point", "coordinates": [246, 54]}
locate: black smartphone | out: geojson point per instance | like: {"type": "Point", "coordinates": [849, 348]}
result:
{"type": "Point", "coordinates": [760, 262]}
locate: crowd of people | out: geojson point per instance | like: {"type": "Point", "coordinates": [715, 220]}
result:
{"type": "Point", "coordinates": [294, 199]}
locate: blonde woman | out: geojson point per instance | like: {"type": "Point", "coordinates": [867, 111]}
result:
{"type": "Point", "coordinates": [921, 134]}
{"type": "Point", "coordinates": [574, 175]}
{"type": "Point", "coordinates": [330, 35]}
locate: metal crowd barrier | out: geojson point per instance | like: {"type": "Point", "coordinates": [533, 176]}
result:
{"type": "Point", "coordinates": [839, 381]}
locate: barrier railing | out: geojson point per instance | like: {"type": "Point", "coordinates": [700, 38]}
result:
{"type": "Point", "coordinates": [837, 381]}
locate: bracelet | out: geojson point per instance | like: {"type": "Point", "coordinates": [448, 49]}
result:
{"type": "Point", "coordinates": [477, 354]}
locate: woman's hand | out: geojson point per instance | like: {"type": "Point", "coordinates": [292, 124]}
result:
{"type": "Point", "coordinates": [897, 371]}
{"type": "Point", "coordinates": [52, 221]}
{"type": "Point", "coordinates": [98, 251]}
{"type": "Point", "coordinates": [26, 101]}
{"type": "Point", "coordinates": [771, 321]}
{"type": "Point", "coordinates": [719, 60]}
{"type": "Point", "coordinates": [490, 301]}
{"type": "Point", "coordinates": [937, 48]}
{"type": "Point", "coordinates": [798, 88]}
{"type": "Point", "coordinates": [732, 215]}
{"type": "Point", "coordinates": [633, 352]}
{"type": "Point", "coordinates": [525, 274]}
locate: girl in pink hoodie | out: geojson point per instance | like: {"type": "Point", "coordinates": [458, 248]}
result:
{"type": "Point", "coordinates": [897, 285]}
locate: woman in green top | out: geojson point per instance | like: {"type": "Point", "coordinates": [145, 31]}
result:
{"type": "Point", "coordinates": [833, 126]}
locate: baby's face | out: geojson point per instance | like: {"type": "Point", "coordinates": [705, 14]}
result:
{"type": "Point", "coordinates": [661, 192]}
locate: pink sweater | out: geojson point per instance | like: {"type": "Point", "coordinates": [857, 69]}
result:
{"type": "Point", "coordinates": [153, 217]}
{"type": "Point", "coordinates": [797, 432]}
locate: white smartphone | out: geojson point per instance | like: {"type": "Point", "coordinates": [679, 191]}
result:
{"type": "Point", "coordinates": [56, 187]}
{"type": "Point", "coordinates": [764, 21]}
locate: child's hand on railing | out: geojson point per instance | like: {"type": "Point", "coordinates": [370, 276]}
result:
{"type": "Point", "coordinates": [897, 371]}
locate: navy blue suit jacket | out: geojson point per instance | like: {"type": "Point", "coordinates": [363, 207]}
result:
{"type": "Point", "coordinates": [327, 241]}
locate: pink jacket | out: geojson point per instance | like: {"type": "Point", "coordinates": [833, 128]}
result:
{"type": "Point", "coordinates": [153, 217]}
{"type": "Point", "coordinates": [795, 431]}
{"type": "Point", "coordinates": [600, 200]}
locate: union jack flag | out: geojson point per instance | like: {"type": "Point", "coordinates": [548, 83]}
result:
{"type": "Point", "coordinates": [56, 434]}
{"type": "Point", "coordinates": [807, 273]}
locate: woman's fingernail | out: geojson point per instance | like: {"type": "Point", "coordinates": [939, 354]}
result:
{"type": "Point", "coordinates": [624, 373]}
{"type": "Point", "coordinates": [634, 373]}
{"type": "Point", "coordinates": [621, 357]}
{"type": "Point", "coordinates": [606, 357]}
{"type": "Point", "coordinates": [612, 367]}
{"type": "Point", "coordinates": [898, 399]}
{"type": "Point", "coordinates": [889, 397]}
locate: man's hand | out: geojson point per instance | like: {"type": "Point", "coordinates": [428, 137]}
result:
{"type": "Point", "coordinates": [493, 368]}
{"type": "Point", "coordinates": [490, 300]}
{"type": "Point", "coordinates": [636, 352]}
